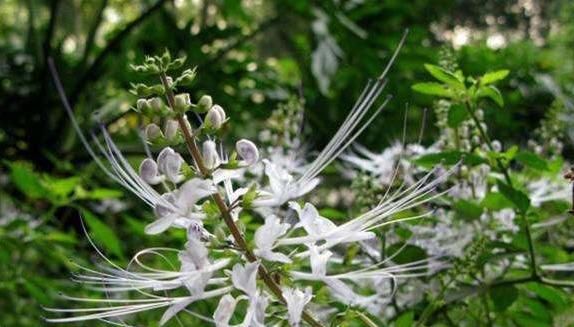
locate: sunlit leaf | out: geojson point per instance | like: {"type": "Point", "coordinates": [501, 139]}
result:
{"type": "Point", "coordinates": [432, 88]}
{"type": "Point", "coordinates": [444, 75]}
{"type": "Point", "coordinates": [495, 76]}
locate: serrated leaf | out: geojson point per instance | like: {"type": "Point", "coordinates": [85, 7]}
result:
{"type": "Point", "coordinates": [503, 296]}
{"type": "Point", "coordinates": [456, 115]}
{"type": "Point", "coordinates": [492, 93]}
{"type": "Point", "coordinates": [532, 160]}
{"type": "Point", "coordinates": [444, 75]}
{"type": "Point", "coordinates": [102, 233]}
{"type": "Point", "coordinates": [432, 88]}
{"type": "Point", "coordinates": [495, 76]}
{"type": "Point", "coordinates": [518, 198]}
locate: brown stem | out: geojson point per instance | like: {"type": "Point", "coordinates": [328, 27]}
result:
{"type": "Point", "coordinates": [241, 243]}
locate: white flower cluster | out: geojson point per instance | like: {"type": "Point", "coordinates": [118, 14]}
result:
{"type": "Point", "coordinates": [234, 267]}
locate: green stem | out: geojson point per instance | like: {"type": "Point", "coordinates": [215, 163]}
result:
{"type": "Point", "coordinates": [223, 209]}
{"type": "Point", "coordinates": [504, 170]}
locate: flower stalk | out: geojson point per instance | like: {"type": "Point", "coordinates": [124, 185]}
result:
{"type": "Point", "coordinates": [222, 207]}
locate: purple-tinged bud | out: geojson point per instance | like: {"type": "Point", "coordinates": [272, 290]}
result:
{"type": "Point", "coordinates": [152, 132]}
{"type": "Point", "coordinates": [247, 150]}
{"type": "Point", "coordinates": [149, 172]}
{"type": "Point", "coordinates": [169, 163]}
{"type": "Point", "coordinates": [215, 117]}
{"type": "Point", "coordinates": [210, 155]}
{"type": "Point", "coordinates": [171, 128]}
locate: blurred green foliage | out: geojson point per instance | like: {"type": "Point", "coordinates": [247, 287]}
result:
{"type": "Point", "coordinates": [251, 56]}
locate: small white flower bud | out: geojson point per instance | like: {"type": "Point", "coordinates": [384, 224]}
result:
{"type": "Point", "coordinates": [182, 102]}
{"type": "Point", "coordinates": [210, 155]}
{"type": "Point", "coordinates": [171, 127]}
{"type": "Point", "coordinates": [215, 117]}
{"type": "Point", "coordinates": [204, 104]}
{"type": "Point", "coordinates": [169, 163]}
{"type": "Point", "coordinates": [149, 172]}
{"type": "Point", "coordinates": [496, 146]}
{"type": "Point", "coordinates": [247, 151]}
{"type": "Point", "coordinates": [480, 114]}
{"type": "Point", "coordinates": [142, 105]}
{"type": "Point", "coordinates": [152, 132]}
{"type": "Point", "coordinates": [156, 104]}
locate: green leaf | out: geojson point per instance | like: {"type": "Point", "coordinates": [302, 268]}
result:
{"type": "Point", "coordinates": [103, 193]}
{"type": "Point", "coordinates": [495, 76]}
{"type": "Point", "coordinates": [555, 297]}
{"type": "Point", "coordinates": [34, 289]}
{"type": "Point", "coordinates": [468, 210]}
{"type": "Point", "coordinates": [102, 234]}
{"type": "Point", "coordinates": [432, 88]}
{"type": "Point", "coordinates": [60, 187]}
{"type": "Point", "coordinates": [532, 160]}
{"type": "Point", "coordinates": [456, 115]}
{"type": "Point", "coordinates": [492, 93]}
{"type": "Point", "coordinates": [26, 180]}
{"type": "Point", "coordinates": [405, 320]}
{"type": "Point", "coordinates": [448, 158]}
{"type": "Point", "coordinates": [444, 76]}
{"type": "Point", "coordinates": [503, 296]}
{"type": "Point", "coordinates": [518, 198]}
{"type": "Point", "coordinates": [495, 201]}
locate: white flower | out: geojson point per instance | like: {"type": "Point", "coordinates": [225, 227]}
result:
{"type": "Point", "coordinates": [210, 156]}
{"type": "Point", "coordinates": [247, 151]}
{"type": "Point", "coordinates": [244, 277]}
{"type": "Point", "coordinates": [179, 207]}
{"type": "Point", "coordinates": [296, 301]}
{"type": "Point", "coordinates": [224, 310]}
{"type": "Point", "coordinates": [267, 235]}
{"type": "Point", "coordinates": [194, 258]}
{"type": "Point", "coordinates": [319, 260]}
{"type": "Point", "coordinates": [255, 316]}
{"type": "Point", "coordinates": [282, 187]}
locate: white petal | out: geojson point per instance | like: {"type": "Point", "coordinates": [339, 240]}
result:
{"type": "Point", "coordinates": [244, 277]}
{"type": "Point", "coordinates": [160, 224]}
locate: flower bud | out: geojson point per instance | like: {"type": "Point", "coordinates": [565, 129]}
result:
{"type": "Point", "coordinates": [182, 102]}
{"type": "Point", "coordinates": [496, 146]}
{"type": "Point", "coordinates": [149, 172]}
{"type": "Point", "coordinates": [171, 128]}
{"type": "Point", "coordinates": [247, 151]}
{"type": "Point", "coordinates": [152, 132]}
{"type": "Point", "coordinates": [215, 117]}
{"type": "Point", "coordinates": [204, 104]}
{"type": "Point", "coordinates": [210, 155]}
{"type": "Point", "coordinates": [156, 104]}
{"type": "Point", "coordinates": [169, 163]}
{"type": "Point", "coordinates": [142, 105]}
